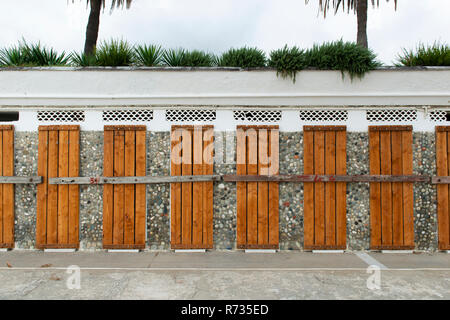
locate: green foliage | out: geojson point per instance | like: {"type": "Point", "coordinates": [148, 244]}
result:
{"type": "Point", "coordinates": [243, 58]}
{"type": "Point", "coordinates": [149, 55]}
{"type": "Point", "coordinates": [431, 55]}
{"type": "Point", "coordinates": [183, 58]}
{"type": "Point", "coordinates": [115, 53]}
{"type": "Point", "coordinates": [288, 61]}
{"type": "Point", "coordinates": [84, 60]}
{"type": "Point", "coordinates": [344, 56]}
{"type": "Point", "coordinates": [32, 55]}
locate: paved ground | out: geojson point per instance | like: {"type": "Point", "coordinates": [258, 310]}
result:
{"type": "Point", "coordinates": [224, 275]}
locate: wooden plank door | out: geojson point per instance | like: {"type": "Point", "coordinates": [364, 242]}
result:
{"type": "Point", "coordinates": [57, 220]}
{"type": "Point", "coordinates": [324, 153]}
{"type": "Point", "coordinates": [443, 192]}
{"type": "Point", "coordinates": [124, 206]}
{"type": "Point", "coordinates": [7, 189]}
{"type": "Point", "coordinates": [191, 208]}
{"type": "Point", "coordinates": [391, 203]}
{"type": "Point", "coordinates": [257, 202]}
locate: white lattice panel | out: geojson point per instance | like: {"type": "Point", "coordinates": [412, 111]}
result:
{"type": "Point", "coordinates": [61, 116]}
{"type": "Point", "coordinates": [257, 115]}
{"type": "Point", "coordinates": [391, 115]}
{"type": "Point", "coordinates": [127, 115]}
{"type": "Point", "coordinates": [438, 115]}
{"type": "Point", "coordinates": [186, 115]}
{"type": "Point", "coordinates": [323, 115]}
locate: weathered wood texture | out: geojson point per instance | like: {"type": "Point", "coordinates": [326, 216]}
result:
{"type": "Point", "coordinates": [124, 207]}
{"type": "Point", "coordinates": [6, 189]}
{"type": "Point", "coordinates": [20, 180]}
{"type": "Point", "coordinates": [331, 178]}
{"type": "Point", "coordinates": [192, 150]}
{"type": "Point", "coordinates": [324, 151]}
{"type": "Point", "coordinates": [257, 201]}
{"type": "Point", "coordinates": [443, 190]}
{"type": "Point", "coordinates": [133, 180]}
{"type": "Point", "coordinates": [391, 203]}
{"type": "Point", "coordinates": [57, 219]}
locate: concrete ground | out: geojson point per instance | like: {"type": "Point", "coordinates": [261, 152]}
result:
{"type": "Point", "coordinates": [223, 275]}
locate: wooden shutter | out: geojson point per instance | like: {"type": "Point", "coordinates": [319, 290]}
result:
{"type": "Point", "coordinates": [257, 202]}
{"type": "Point", "coordinates": [324, 153]}
{"type": "Point", "coordinates": [192, 202]}
{"type": "Point", "coordinates": [7, 189]}
{"type": "Point", "coordinates": [57, 220]}
{"type": "Point", "coordinates": [124, 206]}
{"type": "Point", "coordinates": [391, 203]}
{"type": "Point", "coordinates": [443, 192]}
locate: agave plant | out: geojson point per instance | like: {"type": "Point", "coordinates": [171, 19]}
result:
{"type": "Point", "coordinates": [115, 53]}
{"type": "Point", "coordinates": [174, 57]}
{"type": "Point", "coordinates": [151, 55]}
{"type": "Point", "coordinates": [84, 60]}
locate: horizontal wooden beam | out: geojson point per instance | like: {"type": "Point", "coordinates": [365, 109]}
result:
{"type": "Point", "coordinates": [440, 180]}
{"type": "Point", "coordinates": [327, 178]}
{"type": "Point", "coordinates": [21, 180]}
{"type": "Point", "coordinates": [132, 180]}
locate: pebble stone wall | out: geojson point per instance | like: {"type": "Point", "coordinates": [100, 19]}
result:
{"type": "Point", "coordinates": [224, 232]}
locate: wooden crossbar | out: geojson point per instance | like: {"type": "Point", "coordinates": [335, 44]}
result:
{"type": "Point", "coordinates": [21, 180]}
{"type": "Point", "coordinates": [133, 180]}
{"type": "Point", "coordinates": [328, 178]}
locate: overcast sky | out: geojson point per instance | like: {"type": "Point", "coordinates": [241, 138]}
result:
{"type": "Point", "coordinates": [216, 25]}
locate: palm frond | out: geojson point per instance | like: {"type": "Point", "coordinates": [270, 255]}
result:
{"type": "Point", "coordinates": [324, 5]}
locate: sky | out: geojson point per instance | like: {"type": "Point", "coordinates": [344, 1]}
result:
{"type": "Point", "coordinates": [217, 25]}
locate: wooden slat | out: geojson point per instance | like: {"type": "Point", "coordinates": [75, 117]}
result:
{"type": "Point", "coordinates": [74, 192]}
{"type": "Point", "coordinates": [119, 155]}
{"type": "Point", "coordinates": [108, 190]}
{"type": "Point", "coordinates": [331, 178]}
{"type": "Point", "coordinates": [52, 204]}
{"type": "Point", "coordinates": [375, 189]}
{"type": "Point", "coordinates": [186, 188]}
{"type": "Point", "coordinates": [20, 180]}
{"type": "Point", "coordinates": [442, 189]}
{"type": "Point", "coordinates": [386, 189]}
{"type": "Point", "coordinates": [390, 128]}
{"type": "Point", "coordinates": [324, 128]}
{"type": "Point", "coordinates": [207, 166]}
{"type": "Point", "coordinates": [330, 189]}
{"type": "Point", "coordinates": [341, 190]}
{"type": "Point", "coordinates": [125, 128]}
{"type": "Point", "coordinates": [175, 188]}
{"type": "Point", "coordinates": [140, 207]}
{"type": "Point", "coordinates": [63, 190]}
{"type": "Point", "coordinates": [252, 187]}
{"type": "Point", "coordinates": [1, 190]}
{"type": "Point", "coordinates": [319, 188]}
{"type": "Point", "coordinates": [408, 193]}
{"type": "Point", "coordinates": [308, 194]}
{"type": "Point", "coordinates": [8, 189]}
{"type": "Point", "coordinates": [129, 194]}
{"type": "Point", "coordinates": [41, 212]}
{"type": "Point", "coordinates": [241, 193]}
{"type": "Point", "coordinates": [274, 188]}
{"type": "Point", "coordinates": [263, 188]}
{"type": "Point", "coordinates": [59, 127]}
{"type": "Point", "coordinates": [397, 188]}
{"type": "Point", "coordinates": [197, 187]}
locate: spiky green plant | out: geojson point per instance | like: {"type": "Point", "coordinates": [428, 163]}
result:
{"type": "Point", "coordinates": [149, 55]}
{"type": "Point", "coordinates": [288, 61]}
{"type": "Point", "coordinates": [84, 60]}
{"type": "Point", "coordinates": [344, 56]}
{"type": "Point", "coordinates": [243, 58]}
{"type": "Point", "coordinates": [115, 53]}
{"type": "Point", "coordinates": [197, 58]}
{"type": "Point", "coordinates": [174, 57]}
{"type": "Point", "coordinates": [425, 55]}
{"type": "Point", "coordinates": [34, 54]}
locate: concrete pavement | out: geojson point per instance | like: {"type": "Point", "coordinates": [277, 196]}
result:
{"type": "Point", "coordinates": [223, 275]}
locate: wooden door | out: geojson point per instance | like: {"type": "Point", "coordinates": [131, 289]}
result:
{"type": "Point", "coordinates": [7, 189]}
{"type": "Point", "coordinates": [257, 202]}
{"type": "Point", "coordinates": [124, 206]}
{"type": "Point", "coordinates": [324, 153]}
{"type": "Point", "coordinates": [57, 220]}
{"type": "Point", "coordinates": [191, 207]}
{"type": "Point", "coordinates": [391, 203]}
{"type": "Point", "coordinates": [443, 192]}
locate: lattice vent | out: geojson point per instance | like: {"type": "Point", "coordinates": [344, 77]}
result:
{"type": "Point", "coordinates": [61, 116]}
{"type": "Point", "coordinates": [257, 115]}
{"type": "Point", "coordinates": [190, 115]}
{"type": "Point", "coordinates": [391, 115]}
{"type": "Point", "coordinates": [127, 115]}
{"type": "Point", "coordinates": [323, 115]}
{"type": "Point", "coordinates": [439, 115]}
